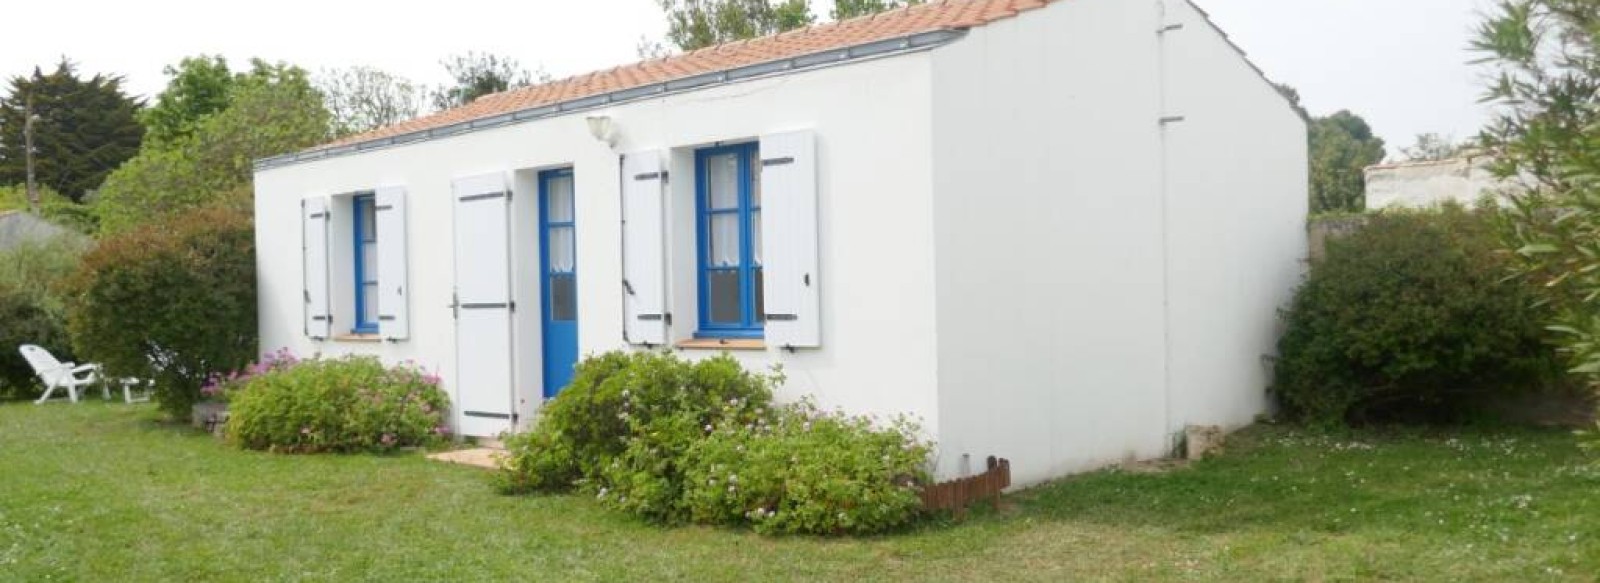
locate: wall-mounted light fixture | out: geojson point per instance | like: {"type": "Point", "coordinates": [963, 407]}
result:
{"type": "Point", "coordinates": [603, 129]}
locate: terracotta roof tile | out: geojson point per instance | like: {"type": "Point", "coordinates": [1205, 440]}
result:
{"type": "Point", "coordinates": [932, 16]}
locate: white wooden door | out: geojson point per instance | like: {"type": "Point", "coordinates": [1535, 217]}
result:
{"type": "Point", "coordinates": [484, 396]}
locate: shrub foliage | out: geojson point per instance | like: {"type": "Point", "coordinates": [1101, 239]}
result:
{"type": "Point", "coordinates": [675, 442]}
{"type": "Point", "coordinates": [171, 301]}
{"type": "Point", "coordinates": [351, 404]}
{"type": "Point", "coordinates": [32, 310]}
{"type": "Point", "coordinates": [1412, 314]}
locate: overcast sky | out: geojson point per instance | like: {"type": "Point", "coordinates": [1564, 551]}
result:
{"type": "Point", "coordinates": [1399, 63]}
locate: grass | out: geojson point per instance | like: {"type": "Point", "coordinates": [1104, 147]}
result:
{"type": "Point", "coordinates": [99, 492]}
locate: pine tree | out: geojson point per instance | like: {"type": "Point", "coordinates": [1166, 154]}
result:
{"type": "Point", "coordinates": [86, 129]}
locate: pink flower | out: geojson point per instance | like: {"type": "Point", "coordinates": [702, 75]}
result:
{"type": "Point", "coordinates": [387, 439]}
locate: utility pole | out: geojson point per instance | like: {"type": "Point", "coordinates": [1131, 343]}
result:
{"type": "Point", "coordinates": [27, 146]}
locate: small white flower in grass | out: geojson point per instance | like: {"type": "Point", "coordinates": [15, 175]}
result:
{"type": "Point", "coordinates": [708, 428]}
{"type": "Point", "coordinates": [733, 478]}
{"type": "Point", "coordinates": [602, 494]}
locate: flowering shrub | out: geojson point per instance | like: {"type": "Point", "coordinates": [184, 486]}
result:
{"type": "Point", "coordinates": [218, 386]}
{"type": "Point", "coordinates": [617, 399]}
{"type": "Point", "coordinates": [334, 405]}
{"type": "Point", "coordinates": [676, 442]}
{"type": "Point", "coordinates": [806, 471]}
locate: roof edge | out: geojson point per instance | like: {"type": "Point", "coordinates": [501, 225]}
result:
{"type": "Point", "coordinates": [890, 47]}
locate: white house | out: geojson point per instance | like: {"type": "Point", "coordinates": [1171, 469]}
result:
{"type": "Point", "coordinates": [1463, 180]}
{"type": "Point", "coordinates": [1057, 231]}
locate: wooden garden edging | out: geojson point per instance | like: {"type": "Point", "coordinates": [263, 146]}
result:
{"type": "Point", "coordinates": [960, 493]}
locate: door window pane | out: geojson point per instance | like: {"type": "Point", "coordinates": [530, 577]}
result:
{"type": "Point", "coordinates": [563, 298]}
{"type": "Point", "coordinates": [724, 233]}
{"type": "Point", "coordinates": [558, 200]}
{"type": "Point", "coordinates": [562, 258]}
{"type": "Point", "coordinates": [723, 297]}
{"type": "Point", "coordinates": [369, 303]}
{"type": "Point", "coordinates": [369, 262]}
{"type": "Point", "coordinates": [755, 237]}
{"type": "Point", "coordinates": [722, 181]}
{"type": "Point", "coordinates": [755, 181]}
{"type": "Point", "coordinates": [761, 291]}
{"type": "Point", "coordinates": [369, 220]}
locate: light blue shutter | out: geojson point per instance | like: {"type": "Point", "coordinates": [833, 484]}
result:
{"type": "Point", "coordinates": [314, 262]}
{"type": "Point", "coordinates": [394, 321]}
{"type": "Point", "coordinates": [644, 249]}
{"type": "Point", "coordinates": [792, 300]}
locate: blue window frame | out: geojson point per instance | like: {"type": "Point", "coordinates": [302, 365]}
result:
{"type": "Point", "coordinates": [366, 264]}
{"type": "Point", "coordinates": [728, 209]}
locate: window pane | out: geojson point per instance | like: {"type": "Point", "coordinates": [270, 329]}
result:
{"type": "Point", "coordinates": [761, 292]}
{"type": "Point", "coordinates": [561, 259]}
{"type": "Point", "coordinates": [559, 199]}
{"type": "Point", "coordinates": [369, 306]}
{"type": "Point", "coordinates": [369, 220]}
{"type": "Point", "coordinates": [369, 262]}
{"type": "Point", "coordinates": [755, 236]}
{"type": "Point", "coordinates": [755, 179]}
{"type": "Point", "coordinates": [722, 181]}
{"type": "Point", "coordinates": [724, 244]}
{"type": "Point", "coordinates": [563, 298]}
{"type": "Point", "coordinates": [723, 297]}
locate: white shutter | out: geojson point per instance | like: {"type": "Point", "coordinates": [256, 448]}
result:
{"type": "Point", "coordinates": [314, 263]}
{"type": "Point", "coordinates": [643, 248]}
{"type": "Point", "coordinates": [484, 345]}
{"type": "Point", "coordinates": [789, 239]}
{"type": "Point", "coordinates": [394, 318]}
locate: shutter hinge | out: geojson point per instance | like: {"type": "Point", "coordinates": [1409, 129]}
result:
{"type": "Point", "coordinates": [1172, 119]}
{"type": "Point", "coordinates": [1169, 28]}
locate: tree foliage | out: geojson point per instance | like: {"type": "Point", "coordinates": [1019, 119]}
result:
{"type": "Point", "coordinates": [86, 128]}
{"type": "Point", "coordinates": [173, 301]}
{"type": "Point", "coordinates": [271, 111]}
{"type": "Point", "coordinates": [33, 307]}
{"type": "Point", "coordinates": [1342, 147]}
{"type": "Point", "coordinates": [1432, 147]}
{"type": "Point", "coordinates": [360, 99]}
{"type": "Point", "coordinates": [843, 9]}
{"type": "Point", "coordinates": [1545, 68]}
{"type": "Point", "coordinates": [196, 88]}
{"type": "Point", "coordinates": [478, 74]}
{"type": "Point", "coordinates": [697, 24]}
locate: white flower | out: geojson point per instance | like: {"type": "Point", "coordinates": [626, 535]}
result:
{"type": "Point", "coordinates": [733, 478]}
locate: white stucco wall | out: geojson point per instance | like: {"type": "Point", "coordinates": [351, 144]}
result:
{"type": "Point", "coordinates": [1425, 184]}
{"type": "Point", "coordinates": [1049, 240]}
{"type": "Point", "coordinates": [1236, 203]}
{"type": "Point", "coordinates": [871, 121]}
{"type": "Point", "coordinates": [1101, 280]}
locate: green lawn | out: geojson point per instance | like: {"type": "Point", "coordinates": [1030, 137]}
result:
{"type": "Point", "coordinates": [99, 492]}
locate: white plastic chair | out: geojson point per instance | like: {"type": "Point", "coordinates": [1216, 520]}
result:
{"type": "Point", "coordinates": [60, 375]}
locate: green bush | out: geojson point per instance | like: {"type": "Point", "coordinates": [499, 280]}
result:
{"type": "Point", "coordinates": [808, 472]}
{"type": "Point", "coordinates": [675, 442]}
{"type": "Point", "coordinates": [350, 404]}
{"type": "Point", "coordinates": [617, 398]}
{"type": "Point", "coordinates": [23, 320]}
{"type": "Point", "coordinates": [173, 302]}
{"type": "Point", "coordinates": [1410, 318]}
{"type": "Point", "coordinates": [32, 309]}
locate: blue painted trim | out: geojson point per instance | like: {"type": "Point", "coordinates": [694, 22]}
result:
{"type": "Point", "coordinates": [751, 324]}
{"type": "Point", "coordinates": [359, 205]}
{"type": "Point", "coordinates": [546, 305]}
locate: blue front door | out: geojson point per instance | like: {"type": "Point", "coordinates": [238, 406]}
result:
{"type": "Point", "coordinates": [558, 268]}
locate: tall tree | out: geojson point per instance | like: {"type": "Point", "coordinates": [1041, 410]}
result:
{"type": "Point", "coordinates": [843, 9]}
{"type": "Point", "coordinates": [363, 98]}
{"type": "Point", "coordinates": [272, 110]}
{"type": "Point", "coordinates": [85, 129]}
{"type": "Point", "coordinates": [1342, 147]}
{"type": "Point", "coordinates": [197, 87]}
{"type": "Point", "coordinates": [478, 74]}
{"type": "Point", "coordinates": [696, 24]}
